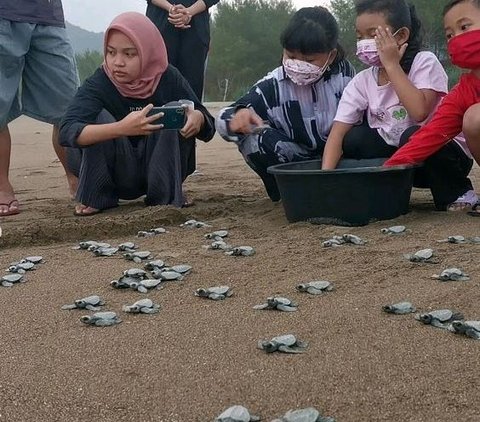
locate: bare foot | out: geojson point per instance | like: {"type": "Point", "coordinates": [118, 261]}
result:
{"type": "Point", "coordinates": [84, 211]}
{"type": "Point", "coordinates": [8, 202]}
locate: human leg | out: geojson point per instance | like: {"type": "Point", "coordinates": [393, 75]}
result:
{"type": "Point", "coordinates": [471, 130]}
{"type": "Point", "coordinates": [8, 203]}
{"type": "Point", "coordinates": [49, 83]}
{"type": "Point", "coordinates": [363, 142]}
{"type": "Point", "coordinates": [269, 148]}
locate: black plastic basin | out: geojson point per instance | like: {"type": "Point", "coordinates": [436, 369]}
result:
{"type": "Point", "coordinates": [354, 194]}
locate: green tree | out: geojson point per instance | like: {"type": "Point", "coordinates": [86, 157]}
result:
{"type": "Point", "coordinates": [87, 63]}
{"type": "Point", "coordinates": [245, 45]}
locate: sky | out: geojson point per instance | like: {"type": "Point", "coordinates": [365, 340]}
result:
{"type": "Point", "coordinates": [95, 15]}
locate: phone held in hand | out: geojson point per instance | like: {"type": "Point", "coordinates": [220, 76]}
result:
{"type": "Point", "coordinates": [174, 117]}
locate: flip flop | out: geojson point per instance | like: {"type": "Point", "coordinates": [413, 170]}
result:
{"type": "Point", "coordinates": [86, 214]}
{"type": "Point", "coordinates": [12, 212]}
{"type": "Point", "coordinates": [474, 212]}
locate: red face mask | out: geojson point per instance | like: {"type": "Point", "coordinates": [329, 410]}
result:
{"type": "Point", "coordinates": [464, 50]}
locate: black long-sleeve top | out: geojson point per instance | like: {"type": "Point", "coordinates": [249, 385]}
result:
{"type": "Point", "coordinates": [98, 93]}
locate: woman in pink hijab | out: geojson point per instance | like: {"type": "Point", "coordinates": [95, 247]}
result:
{"type": "Point", "coordinates": [118, 151]}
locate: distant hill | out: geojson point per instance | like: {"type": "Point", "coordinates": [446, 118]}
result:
{"type": "Point", "coordinates": [83, 40]}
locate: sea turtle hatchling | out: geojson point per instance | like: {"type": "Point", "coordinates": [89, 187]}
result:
{"type": "Point", "coordinates": [219, 245]}
{"type": "Point", "coordinates": [97, 245]}
{"type": "Point", "coordinates": [468, 328]}
{"type": "Point", "coordinates": [355, 240]}
{"type": "Point", "coordinates": [101, 319]}
{"type": "Point", "coordinates": [183, 269]}
{"type": "Point", "coordinates": [138, 256]}
{"type": "Point", "coordinates": [236, 413]}
{"type": "Point", "coordinates": [310, 414]}
{"type": "Point", "coordinates": [142, 306]}
{"type": "Point", "coordinates": [87, 244]}
{"type": "Point", "coordinates": [195, 224]}
{"type": "Point", "coordinates": [423, 255]}
{"type": "Point", "coordinates": [91, 303]}
{"type": "Point", "coordinates": [440, 318]}
{"type": "Point", "coordinates": [9, 280]}
{"type": "Point", "coordinates": [215, 293]}
{"type": "Point", "coordinates": [315, 287]}
{"type": "Point", "coordinates": [154, 265]}
{"type": "Point", "coordinates": [475, 240]}
{"type": "Point", "coordinates": [102, 251]}
{"type": "Point", "coordinates": [217, 235]}
{"type": "Point", "coordinates": [135, 273]}
{"type": "Point", "coordinates": [394, 230]}
{"type": "Point", "coordinates": [279, 303]}
{"type": "Point", "coordinates": [143, 286]}
{"type": "Point", "coordinates": [451, 274]}
{"type": "Point", "coordinates": [333, 242]}
{"type": "Point", "coordinates": [287, 343]}
{"type": "Point", "coordinates": [241, 251]}
{"type": "Point", "coordinates": [453, 239]}
{"type": "Point", "coordinates": [125, 282]}
{"type": "Point", "coordinates": [167, 275]}
{"type": "Point", "coordinates": [21, 267]}
{"type": "Point", "coordinates": [127, 247]}
{"type": "Point", "coordinates": [36, 259]}
{"type": "Point", "coordinates": [399, 308]}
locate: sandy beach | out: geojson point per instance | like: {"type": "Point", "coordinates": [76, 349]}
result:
{"type": "Point", "coordinates": [197, 357]}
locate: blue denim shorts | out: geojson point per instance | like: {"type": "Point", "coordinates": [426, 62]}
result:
{"type": "Point", "coordinates": [38, 74]}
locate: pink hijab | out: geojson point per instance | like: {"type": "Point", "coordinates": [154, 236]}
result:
{"type": "Point", "coordinates": [151, 49]}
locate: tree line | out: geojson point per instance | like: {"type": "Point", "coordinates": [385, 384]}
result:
{"type": "Point", "coordinates": [245, 42]}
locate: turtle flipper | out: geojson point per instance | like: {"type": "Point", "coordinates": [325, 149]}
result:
{"type": "Point", "coordinates": [290, 349]}
{"type": "Point", "coordinates": [70, 306]}
{"type": "Point", "coordinates": [92, 308]}
{"type": "Point", "coordinates": [142, 289]}
{"type": "Point", "coordinates": [286, 308]}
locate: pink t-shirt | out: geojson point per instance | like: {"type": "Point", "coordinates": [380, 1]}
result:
{"type": "Point", "coordinates": [384, 110]}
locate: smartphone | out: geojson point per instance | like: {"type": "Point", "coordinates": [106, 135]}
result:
{"type": "Point", "coordinates": [174, 117]}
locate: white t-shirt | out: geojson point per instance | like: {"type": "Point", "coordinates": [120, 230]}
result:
{"type": "Point", "coordinates": [383, 108]}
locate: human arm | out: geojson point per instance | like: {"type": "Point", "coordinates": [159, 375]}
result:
{"type": "Point", "coordinates": [446, 123]}
{"type": "Point", "coordinates": [180, 16]}
{"type": "Point", "coordinates": [419, 102]}
{"type": "Point", "coordinates": [333, 148]}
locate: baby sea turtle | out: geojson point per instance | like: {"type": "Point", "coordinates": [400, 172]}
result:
{"type": "Point", "coordinates": [440, 319]}
{"type": "Point", "coordinates": [475, 240]}
{"type": "Point", "coordinates": [135, 273]}
{"type": "Point", "coordinates": [355, 240]}
{"type": "Point", "coordinates": [144, 285]}
{"type": "Point", "coordinates": [21, 267]}
{"type": "Point", "coordinates": [97, 245]}
{"type": "Point", "coordinates": [195, 224]}
{"type": "Point", "coordinates": [310, 414]}
{"type": "Point", "coordinates": [423, 255]}
{"type": "Point", "coordinates": [279, 303]}
{"type": "Point", "coordinates": [9, 280]}
{"type": "Point", "coordinates": [468, 328]}
{"type": "Point", "coordinates": [451, 274]}
{"type": "Point", "coordinates": [217, 235]}
{"type": "Point", "coordinates": [399, 308]}
{"type": "Point", "coordinates": [287, 343]}
{"type": "Point", "coordinates": [394, 230]}
{"type": "Point", "coordinates": [315, 287]}
{"type": "Point", "coordinates": [236, 414]}
{"type": "Point", "coordinates": [333, 243]}
{"type": "Point", "coordinates": [154, 265]}
{"type": "Point", "coordinates": [241, 251]}
{"type": "Point", "coordinates": [219, 245]}
{"type": "Point", "coordinates": [180, 268]}
{"type": "Point", "coordinates": [151, 232]}
{"type": "Point", "coordinates": [127, 247]}
{"type": "Point", "coordinates": [143, 306]}
{"type": "Point", "coordinates": [453, 239]}
{"type": "Point", "coordinates": [102, 251]}
{"type": "Point", "coordinates": [167, 275]}
{"type": "Point", "coordinates": [138, 256]}
{"type": "Point", "coordinates": [87, 244]}
{"type": "Point", "coordinates": [33, 259]}
{"type": "Point", "coordinates": [215, 293]}
{"type": "Point", "coordinates": [101, 319]}
{"type": "Point", "coordinates": [125, 282]}
{"type": "Point", "coordinates": [91, 303]}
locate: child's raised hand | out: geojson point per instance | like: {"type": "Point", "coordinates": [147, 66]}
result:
{"type": "Point", "coordinates": [388, 51]}
{"type": "Point", "coordinates": [244, 120]}
{"type": "Point", "coordinates": [194, 123]}
{"type": "Point", "coordinates": [137, 123]}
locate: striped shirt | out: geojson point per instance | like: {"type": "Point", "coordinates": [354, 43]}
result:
{"type": "Point", "coordinates": [304, 113]}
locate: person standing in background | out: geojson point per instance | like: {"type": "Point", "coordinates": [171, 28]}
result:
{"type": "Point", "coordinates": [185, 27]}
{"type": "Point", "coordinates": [38, 78]}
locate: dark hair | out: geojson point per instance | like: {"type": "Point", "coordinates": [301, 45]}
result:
{"type": "Point", "coordinates": [453, 3]}
{"type": "Point", "coordinates": [312, 30]}
{"type": "Point", "coordinates": [398, 14]}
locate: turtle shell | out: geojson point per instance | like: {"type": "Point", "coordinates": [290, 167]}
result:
{"type": "Point", "coordinates": [309, 414]}
{"type": "Point", "coordinates": [33, 259]}
{"type": "Point", "coordinates": [234, 414]}
{"type": "Point", "coordinates": [135, 273]}
{"type": "Point", "coordinates": [394, 229]}
{"type": "Point", "coordinates": [89, 300]}
{"type": "Point", "coordinates": [152, 265]}
{"type": "Point", "coordinates": [181, 268]}
{"type": "Point", "coordinates": [12, 278]}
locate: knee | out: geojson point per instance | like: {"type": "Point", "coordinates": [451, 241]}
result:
{"type": "Point", "coordinates": [471, 122]}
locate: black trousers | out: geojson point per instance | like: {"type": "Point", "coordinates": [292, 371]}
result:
{"type": "Point", "coordinates": [445, 172]}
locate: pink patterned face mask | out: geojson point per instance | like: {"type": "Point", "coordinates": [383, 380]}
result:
{"type": "Point", "coordinates": [367, 52]}
{"type": "Point", "coordinates": [304, 73]}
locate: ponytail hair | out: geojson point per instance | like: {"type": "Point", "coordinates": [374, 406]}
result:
{"type": "Point", "coordinates": [398, 14]}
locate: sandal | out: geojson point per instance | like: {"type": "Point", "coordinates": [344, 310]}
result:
{"type": "Point", "coordinates": [15, 211]}
{"type": "Point", "coordinates": [469, 200]}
